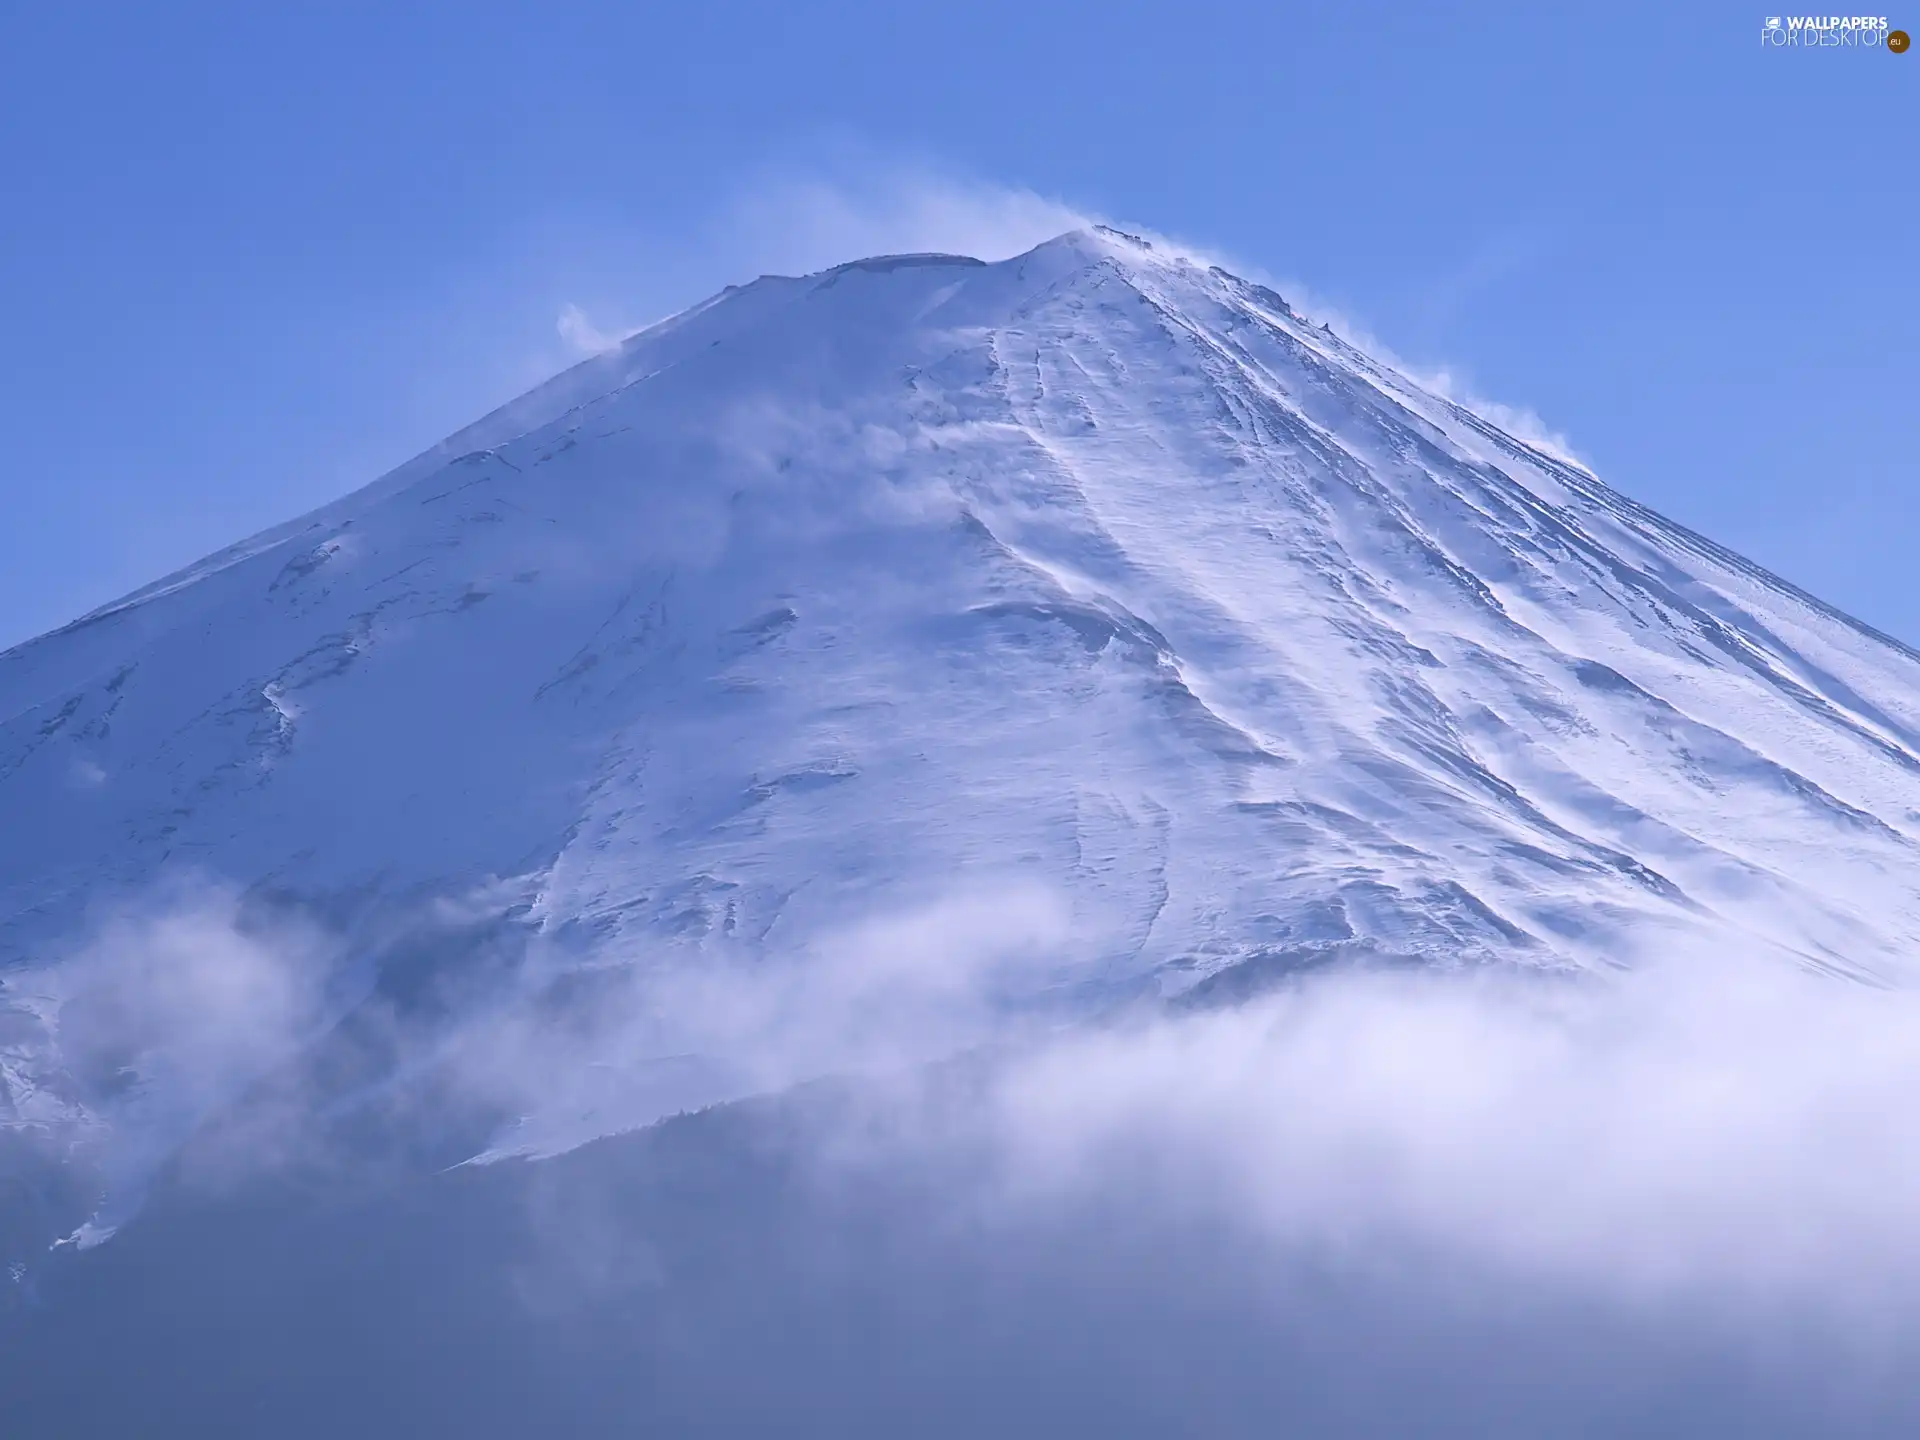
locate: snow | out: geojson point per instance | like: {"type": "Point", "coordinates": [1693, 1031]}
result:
{"type": "Point", "coordinates": [1091, 607]}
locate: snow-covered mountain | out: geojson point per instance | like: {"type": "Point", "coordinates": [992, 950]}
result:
{"type": "Point", "coordinates": [1038, 635]}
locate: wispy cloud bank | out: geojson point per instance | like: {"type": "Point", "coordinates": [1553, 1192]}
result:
{"type": "Point", "coordinates": [1715, 1150]}
{"type": "Point", "coordinates": [1729, 1138]}
{"type": "Point", "coordinates": [164, 1014]}
{"type": "Point", "coordinates": [1699, 1132]}
{"type": "Point", "coordinates": [875, 996]}
{"type": "Point", "coordinates": [582, 336]}
{"type": "Point", "coordinates": [801, 222]}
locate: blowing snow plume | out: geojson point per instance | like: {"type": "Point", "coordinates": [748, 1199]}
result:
{"type": "Point", "coordinates": [1077, 665]}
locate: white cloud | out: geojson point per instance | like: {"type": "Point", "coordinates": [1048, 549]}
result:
{"type": "Point", "coordinates": [1697, 1137]}
{"type": "Point", "coordinates": [164, 1014]}
{"type": "Point", "coordinates": [582, 336]}
{"type": "Point", "coordinates": [1730, 1138]}
{"type": "Point", "coordinates": [801, 222]}
{"type": "Point", "coordinates": [1518, 421]}
{"type": "Point", "coordinates": [877, 995]}
{"type": "Point", "coordinates": [1705, 1134]}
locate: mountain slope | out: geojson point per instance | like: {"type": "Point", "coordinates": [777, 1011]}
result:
{"type": "Point", "coordinates": [1032, 635]}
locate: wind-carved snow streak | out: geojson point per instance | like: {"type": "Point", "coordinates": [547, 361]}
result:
{"type": "Point", "coordinates": [1089, 622]}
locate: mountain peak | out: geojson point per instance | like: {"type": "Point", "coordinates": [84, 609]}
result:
{"type": "Point", "coordinates": [1087, 617]}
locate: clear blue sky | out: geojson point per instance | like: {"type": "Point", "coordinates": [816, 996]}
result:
{"type": "Point", "coordinates": [251, 257]}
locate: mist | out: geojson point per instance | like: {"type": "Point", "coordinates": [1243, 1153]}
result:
{"type": "Point", "coordinates": [1505, 1196]}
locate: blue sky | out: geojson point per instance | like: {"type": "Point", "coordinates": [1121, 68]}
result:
{"type": "Point", "coordinates": [252, 256]}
